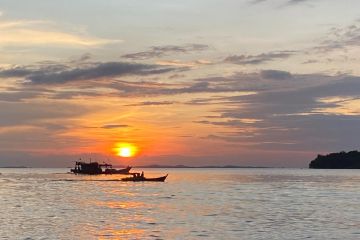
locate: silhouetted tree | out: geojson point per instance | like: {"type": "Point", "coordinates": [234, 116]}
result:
{"type": "Point", "coordinates": [341, 160]}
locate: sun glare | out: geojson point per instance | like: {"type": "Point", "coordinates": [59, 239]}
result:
{"type": "Point", "coordinates": [125, 150]}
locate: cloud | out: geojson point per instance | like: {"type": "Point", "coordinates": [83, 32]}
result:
{"type": "Point", "coordinates": [61, 75]}
{"type": "Point", "coordinates": [294, 114]}
{"type": "Point", "coordinates": [189, 64]}
{"type": "Point", "coordinates": [16, 72]}
{"type": "Point", "coordinates": [112, 126]}
{"type": "Point", "coordinates": [34, 32]}
{"type": "Point", "coordinates": [160, 51]}
{"type": "Point", "coordinates": [310, 61]}
{"type": "Point", "coordinates": [258, 59]}
{"type": "Point", "coordinates": [81, 77]}
{"type": "Point", "coordinates": [148, 88]}
{"type": "Point", "coordinates": [275, 74]}
{"type": "Point", "coordinates": [294, 2]}
{"type": "Point", "coordinates": [257, 1]}
{"type": "Point", "coordinates": [299, 101]}
{"type": "Point", "coordinates": [152, 88]}
{"type": "Point", "coordinates": [239, 83]}
{"type": "Point", "coordinates": [341, 38]}
{"type": "Point", "coordinates": [288, 2]}
{"type": "Point", "coordinates": [294, 119]}
{"type": "Point", "coordinates": [176, 76]}
{"type": "Point", "coordinates": [82, 59]}
{"type": "Point", "coordinates": [152, 103]}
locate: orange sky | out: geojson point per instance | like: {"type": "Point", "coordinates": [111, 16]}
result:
{"type": "Point", "coordinates": [257, 85]}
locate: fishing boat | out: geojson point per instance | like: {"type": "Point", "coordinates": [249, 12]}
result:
{"type": "Point", "coordinates": [94, 168]}
{"type": "Point", "coordinates": [141, 178]}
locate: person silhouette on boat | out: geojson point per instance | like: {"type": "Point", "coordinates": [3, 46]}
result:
{"type": "Point", "coordinates": [142, 174]}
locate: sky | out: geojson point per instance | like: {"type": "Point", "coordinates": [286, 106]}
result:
{"type": "Point", "coordinates": [206, 82]}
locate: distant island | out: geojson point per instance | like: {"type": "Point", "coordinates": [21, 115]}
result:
{"type": "Point", "coordinates": [341, 160]}
{"type": "Point", "coordinates": [184, 166]}
{"type": "Point", "coordinates": [14, 167]}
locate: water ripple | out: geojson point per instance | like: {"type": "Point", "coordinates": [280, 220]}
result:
{"type": "Point", "coordinates": [192, 204]}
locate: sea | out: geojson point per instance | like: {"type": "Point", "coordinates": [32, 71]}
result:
{"type": "Point", "coordinates": [204, 203]}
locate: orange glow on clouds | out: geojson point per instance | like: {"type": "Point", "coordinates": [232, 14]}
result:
{"type": "Point", "coordinates": [125, 150]}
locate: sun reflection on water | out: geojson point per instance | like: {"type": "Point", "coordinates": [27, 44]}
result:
{"type": "Point", "coordinates": [120, 205]}
{"type": "Point", "coordinates": [127, 233]}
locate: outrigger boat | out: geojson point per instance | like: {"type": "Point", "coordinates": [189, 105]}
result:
{"type": "Point", "coordinates": [94, 168]}
{"type": "Point", "coordinates": [140, 178]}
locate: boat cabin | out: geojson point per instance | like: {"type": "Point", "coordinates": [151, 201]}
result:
{"type": "Point", "coordinates": [93, 168]}
{"type": "Point", "coordinates": [90, 168]}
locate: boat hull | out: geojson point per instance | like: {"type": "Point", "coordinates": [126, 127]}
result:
{"type": "Point", "coordinates": [144, 179]}
{"type": "Point", "coordinates": [117, 171]}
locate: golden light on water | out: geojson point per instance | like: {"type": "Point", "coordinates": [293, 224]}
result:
{"type": "Point", "coordinates": [125, 150]}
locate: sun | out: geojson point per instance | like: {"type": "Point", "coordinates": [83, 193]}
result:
{"type": "Point", "coordinates": [125, 150]}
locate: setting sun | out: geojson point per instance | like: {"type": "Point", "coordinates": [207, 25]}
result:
{"type": "Point", "coordinates": [125, 150]}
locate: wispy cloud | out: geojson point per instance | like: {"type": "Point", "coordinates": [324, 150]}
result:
{"type": "Point", "coordinates": [37, 32]}
{"type": "Point", "coordinates": [257, 1]}
{"type": "Point", "coordinates": [294, 2]}
{"type": "Point", "coordinates": [179, 63]}
{"type": "Point", "coordinates": [112, 126]}
{"type": "Point", "coordinates": [160, 51]}
{"type": "Point", "coordinates": [288, 2]}
{"type": "Point", "coordinates": [152, 103]}
{"type": "Point", "coordinates": [340, 38]}
{"type": "Point", "coordinates": [258, 59]}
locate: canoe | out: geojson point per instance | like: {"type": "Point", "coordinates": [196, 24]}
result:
{"type": "Point", "coordinates": [144, 179]}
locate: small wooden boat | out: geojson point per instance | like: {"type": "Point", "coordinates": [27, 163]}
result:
{"type": "Point", "coordinates": [138, 178]}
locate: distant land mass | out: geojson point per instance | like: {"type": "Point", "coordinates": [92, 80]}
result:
{"type": "Point", "coordinates": [341, 160]}
{"type": "Point", "coordinates": [14, 167]}
{"type": "Point", "coordinates": [184, 166]}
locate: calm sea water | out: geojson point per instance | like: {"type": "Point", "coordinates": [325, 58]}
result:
{"type": "Point", "coordinates": [191, 204]}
